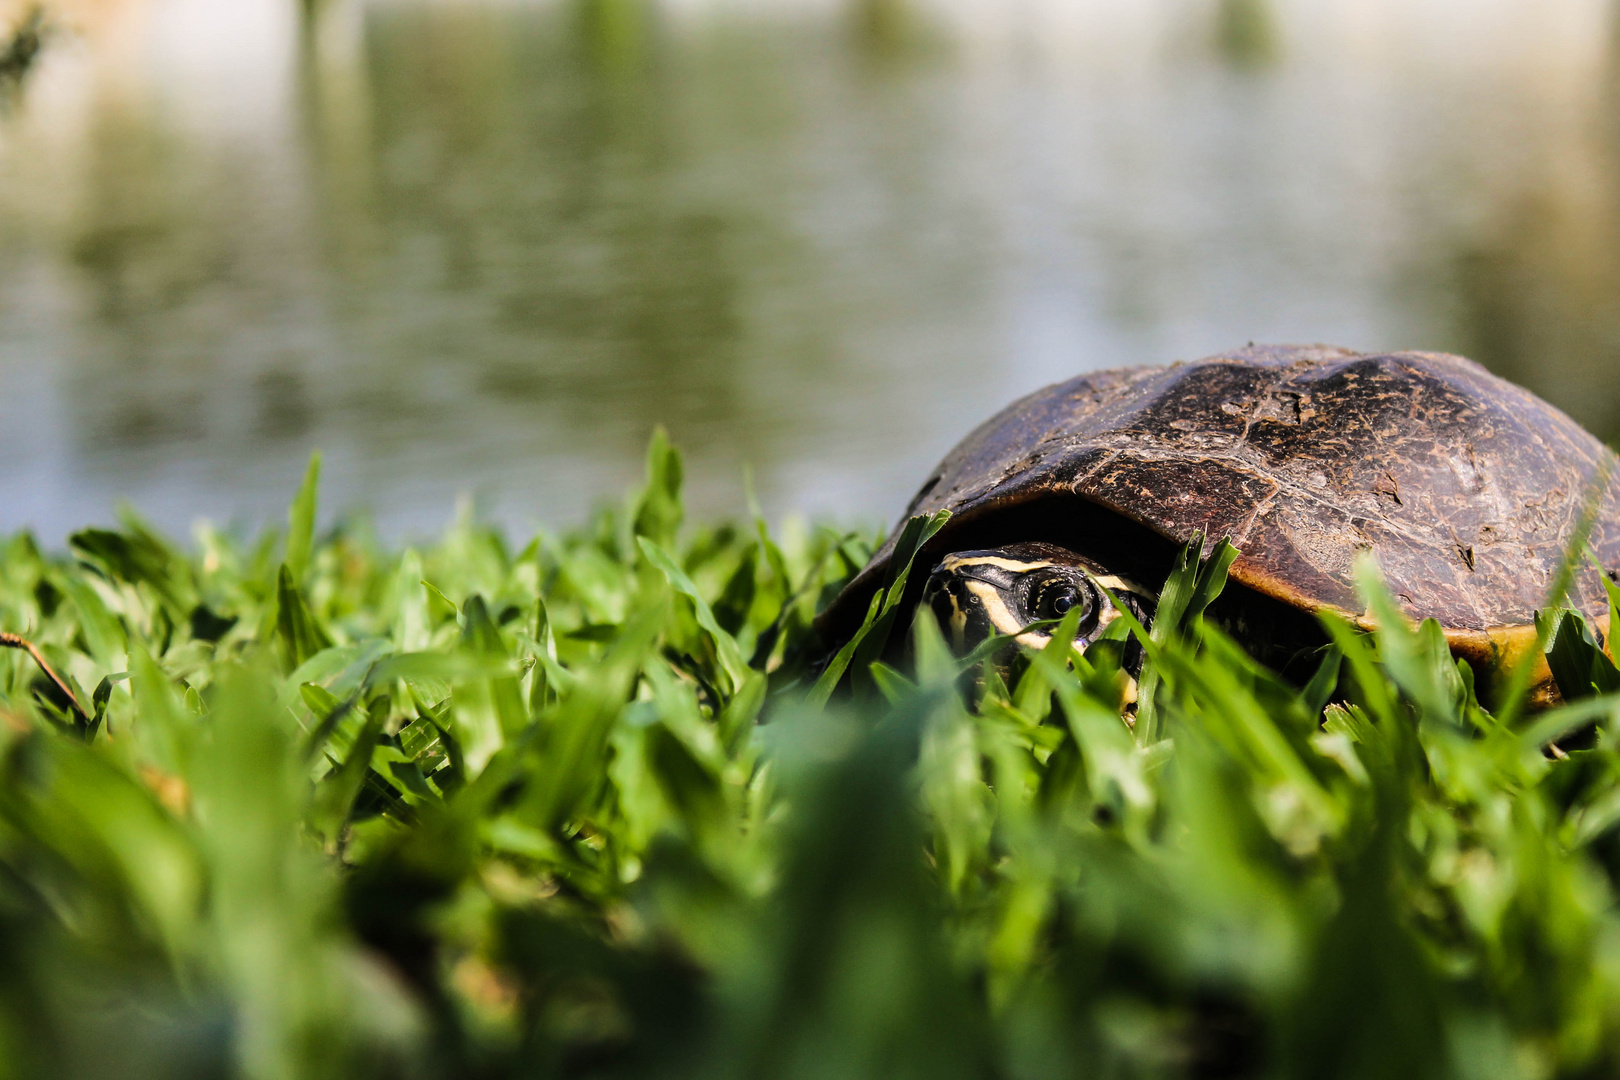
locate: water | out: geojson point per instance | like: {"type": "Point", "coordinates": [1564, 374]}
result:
{"type": "Point", "coordinates": [484, 247]}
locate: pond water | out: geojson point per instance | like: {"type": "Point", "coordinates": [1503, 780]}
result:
{"type": "Point", "coordinates": [484, 247]}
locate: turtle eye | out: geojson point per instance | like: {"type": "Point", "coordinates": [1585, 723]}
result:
{"type": "Point", "coordinates": [1055, 597]}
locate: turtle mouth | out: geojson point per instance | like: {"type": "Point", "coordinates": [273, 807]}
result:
{"type": "Point", "coordinates": [959, 611]}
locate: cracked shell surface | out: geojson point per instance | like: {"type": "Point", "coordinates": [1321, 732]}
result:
{"type": "Point", "coordinates": [1465, 487]}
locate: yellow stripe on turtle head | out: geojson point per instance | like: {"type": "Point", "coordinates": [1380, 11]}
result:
{"type": "Point", "coordinates": [1000, 562]}
{"type": "Point", "coordinates": [995, 608]}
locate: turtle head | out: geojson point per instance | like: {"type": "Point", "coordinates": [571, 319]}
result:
{"type": "Point", "coordinates": [1007, 589]}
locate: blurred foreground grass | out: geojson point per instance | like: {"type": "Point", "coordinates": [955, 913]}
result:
{"type": "Point", "coordinates": [465, 811]}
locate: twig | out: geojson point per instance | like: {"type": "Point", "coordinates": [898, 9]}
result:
{"type": "Point", "coordinates": [15, 641]}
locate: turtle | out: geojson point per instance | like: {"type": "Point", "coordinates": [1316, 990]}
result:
{"type": "Point", "coordinates": [1467, 489]}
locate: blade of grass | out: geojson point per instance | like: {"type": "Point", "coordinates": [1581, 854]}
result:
{"type": "Point", "coordinates": [1517, 690]}
{"type": "Point", "coordinates": [301, 520]}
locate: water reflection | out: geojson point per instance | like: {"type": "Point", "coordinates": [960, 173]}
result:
{"type": "Point", "coordinates": [486, 246]}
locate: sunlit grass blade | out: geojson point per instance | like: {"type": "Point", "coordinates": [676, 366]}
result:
{"type": "Point", "coordinates": [1515, 692]}
{"type": "Point", "coordinates": [300, 632]}
{"type": "Point", "coordinates": [301, 520]}
{"type": "Point", "coordinates": [659, 512]}
{"type": "Point", "coordinates": [1319, 691]}
{"type": "Point", "coordinates": [1193, 584]}
{"type": "Point", "coordinates": [731, 658]}
{"type": "Point", "coordinates": [1418, 659]}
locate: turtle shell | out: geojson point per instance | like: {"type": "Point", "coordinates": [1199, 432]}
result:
{"type": "Point", "coordinates": [1465, 487]}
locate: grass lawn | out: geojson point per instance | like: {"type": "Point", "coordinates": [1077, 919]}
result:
{"type": "Point", "coordinates": [317, 807]}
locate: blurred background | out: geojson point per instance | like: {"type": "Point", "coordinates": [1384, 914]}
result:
{"type": "Point", "coordinates": [483, 246]}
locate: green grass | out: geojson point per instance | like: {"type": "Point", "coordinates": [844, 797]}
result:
{"type": "Point", "coordinates": [580, 809]}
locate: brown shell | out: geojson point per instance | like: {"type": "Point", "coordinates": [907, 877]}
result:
{"type": "Point", "coordinates": [1466, 487]}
